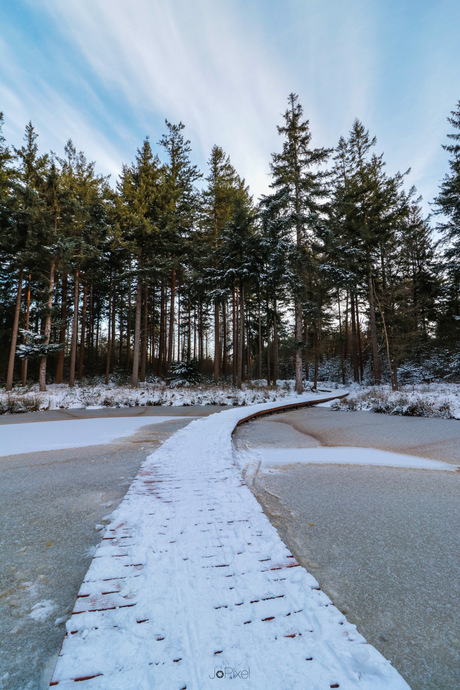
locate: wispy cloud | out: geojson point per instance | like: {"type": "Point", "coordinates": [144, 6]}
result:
{"type": "Point", "coordinates": [28, 96]}
{"type": "Point", "coordinates": [107, 72]}
{"type": "Point", "coordinates": [195, 62]}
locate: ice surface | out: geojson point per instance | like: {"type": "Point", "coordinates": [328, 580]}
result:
{"type": "Point", "coordinates": [39, 436]}
{"type": "Point", "coordinates": [345, 456]}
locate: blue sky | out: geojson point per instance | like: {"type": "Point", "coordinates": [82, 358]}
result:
{"type": "Point", "coordinates": [106, 73]}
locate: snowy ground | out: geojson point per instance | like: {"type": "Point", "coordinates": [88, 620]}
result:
{"type": "Point", "coordinates": [97, 396]}
{"type": "Point", "coordinates": [191, 584]}
{"type": "Point", "coordinates": [421, 400]}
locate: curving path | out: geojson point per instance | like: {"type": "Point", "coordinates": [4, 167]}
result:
{"type": "Point", "coordinates": [191, 583]}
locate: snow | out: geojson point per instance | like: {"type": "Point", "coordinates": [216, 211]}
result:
{"type": "Point", "coordinates": [191, 582]}
{"type": "Point", "coordinates": [43, 610]}
{"type": "Point", "coordinates": [337, 455]}
{"type": "Point", "coordinates": [76, 433]}
{"type": "Point", "coordinates": [426, 400]}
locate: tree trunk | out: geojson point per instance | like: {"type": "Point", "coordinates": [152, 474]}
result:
{"type": "Point", "coordinates": [60, 358]}
{"type": "Point", "coordinates": [360, 346]}
{"type": "Point", "coordinates": [354, 341]}
{"type": "Point", "coordinates": [114, 312]}
{"type": "Point", "coordinates": [200, 334]}
{"type": "Point", "coordinates": [83, 332]}
{"type": "Point", "coordinates": [235, 337]}
{"type": "Point", "coordinates": [259, 357]}
{"type": "Point", "coordinates": [391, 368]}
{"type": "Point", "coordinates": [298, 346]}
{"type": "Point", "coordinates": [269, 378]}
{"type": "Point", "coordinates": [342, 362]}
{"type": "Point", "coordinates": [179, 354]}
{"type": "Point", "coordinates": [317, 345]}
{"type": "Point", "coordinates": [42, 360]}
{"type": "Point", "coordinates": [306, 353]}
{"type": "Point", "coordinates": [73, 342]}
{"type": "Point", "coordinates": [248, 373]}
{"type": "Point", "coordinates": [373, 327]}
{"type": "Point", "coordinates": [189, 330]}
{"type": "Point", "coordinates": [128, 328]}
{"type": "Point", "coordinates": [144, 332]}
{"type": "Point", "coordinates": [216, 341]}
{"type": "Point", "coordinates": [14, 335]}
{"type": "Point", "coordinates": [109, 344]}
{"type": "Point", "coordinates": [171, 319]}
{"type": "Point", "coordinates": [276, 357]}
{"type": "Point", "coordinates": [121, 307]}
{"type": "Point", "coordinates": [152, 327]}
{"type": "Point", "coordinates": [98, 328]}
{"type": "Point", "coordinates": [91, 320]}
{"type": "Point", "coordinates": [240, 339]}
{"type": "Point", "coordinates": [161, 337]}
{"type": "Point", "coordinates": [137, 332]}
{"type": "Point", "coordinates": [345, 345]}
{"type": "Point", "coordinates": [26, 325]}
{"type": "Point", "coordinates": [224, 349]}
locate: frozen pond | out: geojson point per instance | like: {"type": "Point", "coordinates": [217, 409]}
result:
{"type": "Point", "coordinates": [382, 542]}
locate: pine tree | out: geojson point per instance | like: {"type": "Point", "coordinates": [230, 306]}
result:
{"type": "Point", "coordinates": [300, 193]}
{"type": "Point", "coordinates": [219, 199]}
{"type": "Point", "coordinates": [179, 212]}
{"type": "Point", "coordinates": [239, 266]}
{"type": "Point", "coordinates": [83, 226]}
{"type": "Point", "coordinates": [139, 209]}
{"type": "Point", "coordinates": [7, 179]}
{"type": "Point", "coordinates": [447, 204]}
{"type": "Point", "coordinates": [368, 208]}
{"type": "Point", "coordinates": [28, 219]}
{"type": "Point", "coordinates": [7, 175]}
{"type": "Point", "coordinates": [411, 288]}
{"type": "Point", "coordinates": [275, 277]}
{"type": "Point", "coordinates": [52, 198]}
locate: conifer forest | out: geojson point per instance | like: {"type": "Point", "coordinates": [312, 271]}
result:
{"type": "Point", "coordinates": [334, 274]}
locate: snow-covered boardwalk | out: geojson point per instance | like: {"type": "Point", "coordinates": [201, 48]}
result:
{"type": "Point", "coordinates": [192, 585]}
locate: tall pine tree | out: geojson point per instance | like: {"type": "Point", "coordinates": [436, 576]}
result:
{"type": "Point", "coordinates": [300, 192]}
{"type": "Point", "coordinates": [448, 205]}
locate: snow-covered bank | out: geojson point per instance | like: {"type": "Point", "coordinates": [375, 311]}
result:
{"type": "Point", "coordinates": [192, 584]}
{"type": "Point", "coordinates": [417, 400]}
{"type": "Point", "coordinates": [421, 400]}
{"type": "Point", "coordinates": [76, 433]}
{"type": "Point", "coordinates": [99, 395]}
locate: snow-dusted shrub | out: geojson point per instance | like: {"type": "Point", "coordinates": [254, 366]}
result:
{"type": "Point", "coordinates": [331, 369]}
{"type": "Point", "coordinates": [437, 365]}
{"type": "Point", "coordinates": [184, 373]}
{"type": "Point", "coordinates": [14, 402]}
{"type": "Point", "coordinates": [421, 400]}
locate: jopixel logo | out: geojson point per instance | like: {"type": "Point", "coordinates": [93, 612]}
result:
{"type": "Point", "coordinates": [229, 672]}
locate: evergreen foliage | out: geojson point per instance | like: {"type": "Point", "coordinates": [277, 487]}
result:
{"type": "Point", "coordinates": [334, 272]}
{"type": "Point", "coordinates": [447, 203]}
{"type": "Point", "coordinates": [299, 195]}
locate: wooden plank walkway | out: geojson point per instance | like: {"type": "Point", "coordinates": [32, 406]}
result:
{"type": "Point", "coordinates": [191, 581]}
